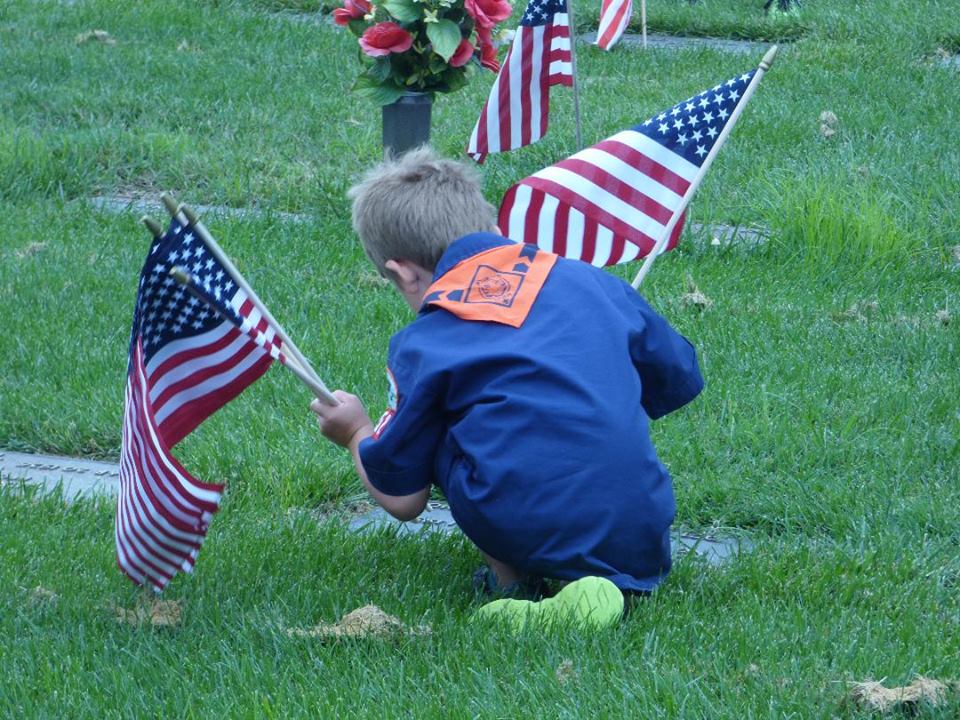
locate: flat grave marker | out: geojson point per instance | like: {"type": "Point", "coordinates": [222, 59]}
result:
{"type": "Point", "coordinates": [715, 549]}
{"type": "Point", "coordinates": [679, 42]}
{"type": "Point", "coordinates": [77, 477]}
{"type": "Point", "coordinates": [713, 233]}
{"type": "Point", "coordinates": [92, 478]}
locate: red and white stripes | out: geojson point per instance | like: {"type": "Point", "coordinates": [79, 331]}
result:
{"type": "Point", "coordinates": [517, 111]}
{"type": "Point", "coordinates": [604, 205]}
{"type": "Point", "coordinates": [163, 512]}
{"type": "Point", "coordinates": [614, 18]}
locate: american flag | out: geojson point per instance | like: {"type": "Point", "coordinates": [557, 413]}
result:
{"type": "Point", "coordinates": [186, 361]}
{"type": "Point", "coordinates": [610, 203]}
{"type": "Point", "coordinates": [614, 17]}
{"type": "Point", "coordinates": [517, 110]}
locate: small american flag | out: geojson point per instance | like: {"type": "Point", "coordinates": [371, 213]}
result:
{"type": "Point", "coordinates": [517, 110]}
{"type": "Point", "coordinates": [186, 361]}
{"type": "Point", "coordinates": [614, 17]}
{"type": "Point", "coordinates": [610, 203]}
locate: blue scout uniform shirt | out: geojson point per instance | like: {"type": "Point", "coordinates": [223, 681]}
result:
{"type": "Point", "coordinates": [523, 389]}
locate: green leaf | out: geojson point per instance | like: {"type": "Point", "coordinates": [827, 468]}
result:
{"type": "Point", "coordinates": [404, 11]}
{"type": "Point", "coordinates": [380, 70]}
{"type": "Point", "coordinates": [445, 37]}
{"type": "Point", "coordinates": [382, 93]}
{"type": "Point", "coordinates": [455, 78]}
{"type": "Point", "coordinates": [357, 27]}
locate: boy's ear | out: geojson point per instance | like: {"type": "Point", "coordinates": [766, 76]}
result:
{"type": "Point", "coordinates": [404, 274]}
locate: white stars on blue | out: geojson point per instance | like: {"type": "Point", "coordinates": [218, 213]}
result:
{"type": "Point", "coordinates": [166, 311]}
{"type": "Point", "coordinates": [691, 128]}
{"type": "Point", "coordinates": [541, 12]}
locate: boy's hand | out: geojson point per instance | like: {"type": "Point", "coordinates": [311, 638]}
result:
{"type": "Point", "coordinates": [344, 422]}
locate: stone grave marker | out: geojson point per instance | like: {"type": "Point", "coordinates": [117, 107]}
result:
{"type": "Point", "coordinates": [715, 549]}
{"type": "Point", "coordinates": [92, 478]}
{"type": "Point", "coordinates": [77, 477]}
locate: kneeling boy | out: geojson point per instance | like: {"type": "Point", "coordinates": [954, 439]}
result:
{"type": "Point", "coordinates": [523, 389]}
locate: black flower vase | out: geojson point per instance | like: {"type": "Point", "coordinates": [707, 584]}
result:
{"type": "Point", "coordinates": [406, 123]}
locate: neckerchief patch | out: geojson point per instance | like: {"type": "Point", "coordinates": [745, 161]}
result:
{"type": "Point", "coordinates": [499, 285]}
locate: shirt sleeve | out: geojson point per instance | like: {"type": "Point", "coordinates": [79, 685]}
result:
{"type": "Point", "coordinates": [399, 457]}
{"type": "Point", "coordinates": [666, 361]}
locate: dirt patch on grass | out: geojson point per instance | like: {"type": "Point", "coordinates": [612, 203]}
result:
{"type": "Point", "coordinates": [158, 613]}
{"type": "Point", "coordinates": [100, 36]}
{"type": "Point", "coordinates": [859, 312]}
{"type": "Point", "coordinates": [694, 298]}
{"type": "Point", "coordinates": [30, 250]}
{"type": "Point", "coordinates": [365, 622]}
{"type": "Point", "coordinates": [828, 124]}
{"type": "Point", "coordinates": [374, 280]}
{"type": "Point", "coordinates": [43, 596]}
{"type": "Point", "coordinates": [874, 697]}
{"type": "Point", "coordinates": [566, 672]}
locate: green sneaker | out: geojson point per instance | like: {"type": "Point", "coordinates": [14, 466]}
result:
{"type": "Point", "coordinates": [590, 603]}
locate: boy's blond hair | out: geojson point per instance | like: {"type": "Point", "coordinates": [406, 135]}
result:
{"type": "Point", "coordinates": [413, 207]}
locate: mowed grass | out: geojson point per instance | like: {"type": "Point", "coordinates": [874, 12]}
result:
{"type": "Point", "coordinates": [829, 430]}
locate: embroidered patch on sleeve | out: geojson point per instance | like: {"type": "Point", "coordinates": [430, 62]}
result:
{"type": "Point", "coordinates": [393, 399]}
{"type": "Point", "coordinates": [382, 423]}
{"type": "Point", "coordinates": [499, 285]}
{"type": "Point", "coordinates": [393, 395]}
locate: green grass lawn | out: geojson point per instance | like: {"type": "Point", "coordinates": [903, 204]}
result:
{"type": "Point", "coordinates": [829, 429]}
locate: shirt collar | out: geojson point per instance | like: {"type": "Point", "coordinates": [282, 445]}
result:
{"type": "Point", "coordinates": [465, 247]}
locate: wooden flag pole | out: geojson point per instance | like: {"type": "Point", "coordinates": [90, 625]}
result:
{"type": "Point", "coordinates": [221, 256]}
{"type": "Point", "coordinates": [643, 22]}
{"type": "Point", "coordinates": [573, 70]}
{"type": "Point", "coordinates": [289, 361]}
{"type": "Point", "coordinates": [218, 253]}
{"type": "Point", "coordinates": [698, 178]}
{"type": "Point", "coordinates": [186, 280]}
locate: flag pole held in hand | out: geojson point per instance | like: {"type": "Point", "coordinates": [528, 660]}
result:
{"type": "Point", "coordinates": [183, 277]}
{"type": "Point", "coordinates": [695, 183]}
{"type": "Point", "coordinates": [231, 268]}
{"type": "Point", "coordinates": [176, 210]}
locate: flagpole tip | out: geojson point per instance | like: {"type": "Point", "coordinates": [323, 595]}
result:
{"type": "Point", "coordinates": [768, 58]}
{"type": "Point", "coordinates": [152, 225]}
{"type": "Point", "coordinates": [169, 203]}
{"type": "Point", "coordinates": [180, 275]}
{"type": "Point", "coordinates": [190, 214]}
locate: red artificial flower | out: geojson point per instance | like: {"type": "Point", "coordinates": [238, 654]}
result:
{"type": "Point", "coordinates": [488, 57]}
{"type": "Point", "coordinates": [461, 56]}
{"type": "Point", "coordinates": [384, 38]}
{"type": "Point", "coordinates": [488, 53]}
{"type": "Point", "coordinates": [487, 13]}
{"type": "Point", "coordinates": [351, 10]}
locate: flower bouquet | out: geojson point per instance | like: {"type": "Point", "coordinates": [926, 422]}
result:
{"type": "Point", "coordinates": [421, 46]}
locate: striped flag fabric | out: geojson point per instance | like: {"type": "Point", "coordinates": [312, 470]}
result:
{"type": "Point", "coordinates": [517, 110]}
{"type": "Point", "coordinates": [614, 17]}
{"type": "Point", "coordinates": [188, 357]}
{"type": "Point", "coordinates": [610, 203]}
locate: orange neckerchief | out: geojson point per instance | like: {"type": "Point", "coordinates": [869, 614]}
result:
{"type": "Point", "coordinates": [498, 285]}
